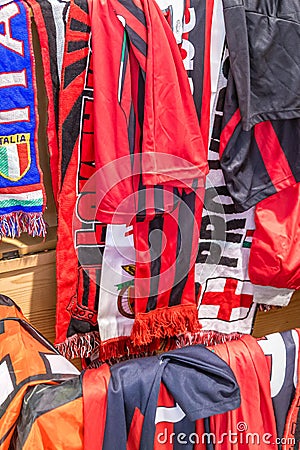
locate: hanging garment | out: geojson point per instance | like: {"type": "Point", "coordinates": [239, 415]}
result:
{"type": "Point", "coordinates": [166, 244]}
{"type": "Point", "coordinates": [154, 233]}
{"type": "Point", "coordinates": [264, 59]}
{"type": "Point", "coordinates": [200, 383]}
{"type": "Point", "coordinates": [255, 414]}
{"type": "Point", "coordinates": [282, 355]}
{"type": "Point", "coordinates": [27, 359]}
{"type": "Point", "coordinates": [151, 69]}
{"type": "Point", "coordinates": [166, 251]}
{"type": "Point", "coordinates": [227, 298]}
{"type": "Point", "coordinates": [22, 195]}
{"type": "Point", "coordinates": [80, 238]}
{"type": "Point", "coordinates": [225, 294]}
{"type": "Point", "coordinates": [50, 20]}
{"type": "Point", "coordinates": [158, 134]}
{"type": "Point", "coordinates": [292, 425]}
{"type": "Point", "coordinates": [274, 257]}
{"type": "Point", "coordinates": [259, 162]}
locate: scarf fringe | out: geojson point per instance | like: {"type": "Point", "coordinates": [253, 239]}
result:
{"type": "Point", "coordinates": [117, 349]}
{"type": "Point", "coordinates": [164, 322]}
{"type": "Point", "coordinates": [206, 338]}
{"type": "Point", "coordinates": [267, 308]}
{"type": "Point", "coordinates": [79, 345]}
{"type": "Point", "coordinates": [15, 223]}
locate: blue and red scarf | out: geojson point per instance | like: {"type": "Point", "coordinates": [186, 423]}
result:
{"type": "Point", "coordinates": [22, 196]}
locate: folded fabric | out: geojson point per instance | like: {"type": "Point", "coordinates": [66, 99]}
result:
{"type": "Point", "coordinates": [292, 425]}
{"type": "Point", "coordinates": [27, 359]}
{"type": "Point", "coordinates": [152, 84]}
{"type": "Point", "coordinates": [274, 256]}
{"type": "Point", "coordinates": [22, 195]}
{"type": "Point", "coordinates": [200, 383]}
{"type": "Point", "coordinates": [265, 61]}
{"type": "Point", "coordinates": [255, 414]}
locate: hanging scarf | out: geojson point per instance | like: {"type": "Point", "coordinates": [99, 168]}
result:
{"type": "Point", "coordinates": [132, 92]}
{"type": "Point", "coordinates": [50, 19]}
{"type": "Point", "coordinates": [22, 196]}
{"type": "Point", "coordinates": [78, 261]}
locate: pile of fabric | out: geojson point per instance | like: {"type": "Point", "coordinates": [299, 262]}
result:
{"type": "Point", "coordinates": [174, 152]}
{"type": "Point", "coordinates": [244, 392]}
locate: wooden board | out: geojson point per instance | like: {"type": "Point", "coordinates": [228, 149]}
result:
{"type": "Point", "coordinates": [30, 282]}
{"type": "Point", "coordinates": [278, 320]}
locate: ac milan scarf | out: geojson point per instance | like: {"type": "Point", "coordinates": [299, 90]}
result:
{"type": "Point", "coordinates": [22, 196]}
{"type": "Point", "coordinates": [50, 19]}
{"type": "Point", "coordinates": [79, 253]}
{"type": "Point", "coordinates": [143, 76]}
{"type": "Point", "coordinates": [138, 73]}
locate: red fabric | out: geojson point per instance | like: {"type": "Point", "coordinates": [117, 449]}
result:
{"type": "Point", "coordinates": [205, 111]}
{"type": "Point", "coordinates": [256, 414]}
{"type": "Point", "coordinates": [274, 257]}
{"type": "Point", "coordinates": [165, 300]}
{"type": "Point", "coordinates": [76, 312]}
{"type": "Point", "coordinates": [165, 94]}
{"type": "Point", "coordinates": [274, 158]}
{"type": "Point", "coordinates": [95, 388]}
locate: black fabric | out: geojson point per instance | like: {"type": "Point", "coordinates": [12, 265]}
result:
{"type": "Point", "coordinates": [200, 382]}
{"type": "Point", "coordinates": [242, 161]}
{"type": "Point", "coordinates": [283, 399]}
{"type": "Point", "coordinates": [39, 400]}
{"type": "Point", "coordinates": [263, 39]}
{"type": "Point", "coordinates": [6, 301]}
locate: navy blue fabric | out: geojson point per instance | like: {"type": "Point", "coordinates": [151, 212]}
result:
{"type": "Point", "coordinates": [200, 382]}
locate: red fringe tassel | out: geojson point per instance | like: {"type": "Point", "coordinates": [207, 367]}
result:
{"type": "Point", "coordinates": [164, 322]}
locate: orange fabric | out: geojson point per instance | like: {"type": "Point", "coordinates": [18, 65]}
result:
{"type": "Point", "coordinates": [59, 429]}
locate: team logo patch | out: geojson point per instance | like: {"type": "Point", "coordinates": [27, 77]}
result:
{"type": "Point", "coordinates": [14, 156]}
